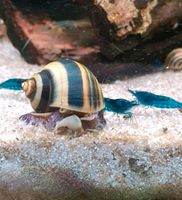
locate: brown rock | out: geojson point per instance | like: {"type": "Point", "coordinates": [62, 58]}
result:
{"type": "Point", "coordinates": [40, 39]}
{"type": "Point", "coordinates": [123, 25]}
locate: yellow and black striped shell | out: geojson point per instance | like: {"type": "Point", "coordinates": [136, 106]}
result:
{"type": "Point", "coordinates": [64, 84]}
{"type": "Point", "coordinates": [174, 60]}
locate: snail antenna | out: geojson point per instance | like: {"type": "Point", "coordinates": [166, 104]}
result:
{"type": "Point", "coordinates": [12, 84]}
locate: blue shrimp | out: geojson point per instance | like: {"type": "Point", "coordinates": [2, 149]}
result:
{"type": "Point", "coordinates": [12, 84]}
{"type": "Point", "coordinates": [153, 100]}
{"type": "Point", "coordinates": [120, 106]}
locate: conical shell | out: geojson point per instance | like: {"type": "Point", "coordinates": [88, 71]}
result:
{"type": "Point", "coordinates": [68, 85]}
{"type": "Point", "coordinates": [174, 60]}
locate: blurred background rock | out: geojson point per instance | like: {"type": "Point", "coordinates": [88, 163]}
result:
{"type": "Point", "coordinates": [103, 35]}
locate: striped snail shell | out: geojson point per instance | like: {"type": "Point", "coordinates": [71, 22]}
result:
{"type": "Point", "coordinates": [174, 60]}
{"type": "Point", "coordinates": [66, 85]}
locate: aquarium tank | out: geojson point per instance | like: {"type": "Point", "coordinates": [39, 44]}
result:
{"type": "Point", "coordinates": [91, 99]}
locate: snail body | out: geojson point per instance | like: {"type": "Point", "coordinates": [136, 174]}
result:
{"type": "Point", "coordinates": [174, 60]}
{"type": "Point", "coordinates": [65, 85]}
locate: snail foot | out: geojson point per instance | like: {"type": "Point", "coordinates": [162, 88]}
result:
{"type": "Point", "coordinates": [47, 120]}
{"type": "Point", "coordinates": [94, 121]}
{"type": "Point", "coordinates": [58, 121]}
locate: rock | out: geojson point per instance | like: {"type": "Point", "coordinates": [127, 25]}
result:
{"type": "Point", "coordinates": [41, 39]}
{"type": "Point", "coordinates": [124, 25]}
{"type": "Point", "coordinates": [128, 40]}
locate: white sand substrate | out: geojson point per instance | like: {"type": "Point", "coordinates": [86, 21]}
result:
{"type": "Point", "coordinates": [142, 151]}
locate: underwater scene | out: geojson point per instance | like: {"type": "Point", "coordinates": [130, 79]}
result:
{"type": "Point", "coordinates": [91, 99]}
